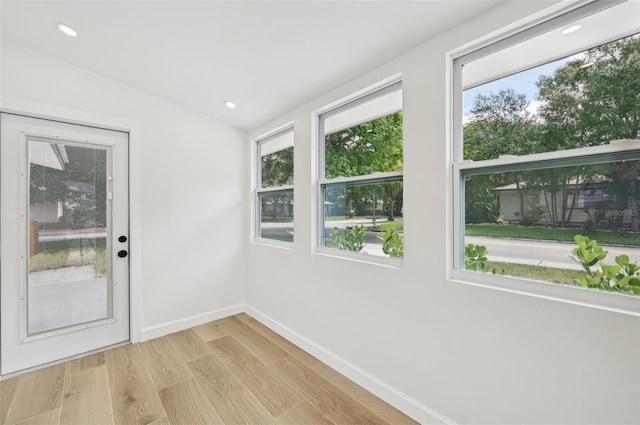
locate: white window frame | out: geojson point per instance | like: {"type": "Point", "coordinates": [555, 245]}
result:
{"type": "Point", "coordinates": [459, 168]}
{"type": "Point", "coordinates": [386, 87]}
{"type": "Point", "coordinates": [259, 190]}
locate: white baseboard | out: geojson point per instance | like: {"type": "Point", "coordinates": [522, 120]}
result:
{"type": "Point", "coordinates": [189, 322]}
{"type": "Point", "coordinates": [406, 404]}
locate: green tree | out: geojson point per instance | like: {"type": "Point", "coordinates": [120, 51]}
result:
{"type": "Point", "coordinates": [373, 146]}
{"type": "Point", "coordinates": [500, 125]}
{"type": "Point", "coordinates": [277, 170]}
{"type": "Point", "coordinates": [592, 100]}
{"type": "Point", "coordinates": [86, 166]}
{"type": "Point", "coordinates": [367, 148]}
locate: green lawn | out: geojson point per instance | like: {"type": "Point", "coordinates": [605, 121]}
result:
{"type": "Point", "coordinates": [550, 234]}
{"type": "Point", "coordinates": [549, 274]}
{"type": "Point", "coordinates": [49, 260]}
{"type": "Point", "coordinates": [73, 243]}
{"type": "Point", "coordinates": [396, 226]}
{"type": "Point", "coordinates": [266, 219]}
{"type": "Point", "coordinates": [344, 217]}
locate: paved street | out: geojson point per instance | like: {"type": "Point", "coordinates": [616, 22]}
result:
{"type": "Point", "coordinates": [543, 253]}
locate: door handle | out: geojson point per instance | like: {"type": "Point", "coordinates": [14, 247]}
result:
{"type": "Point", "coordinates": [122, 253]}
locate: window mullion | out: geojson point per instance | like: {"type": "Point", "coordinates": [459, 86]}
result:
{"type": "Point", "coordinates": [373, 178]}
{"type": "Point", "coordinates": [596, 155]}
{"type": "Point", "coordinates": [274, 189]}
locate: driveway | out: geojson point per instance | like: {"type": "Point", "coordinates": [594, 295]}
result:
{"type": "Point", "coordinates": [65, 297]}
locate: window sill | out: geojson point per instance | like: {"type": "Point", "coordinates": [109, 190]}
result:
{"type": "Point", "coordinates": [607, 301]}
{"type": "Point", "coordinates": [361, 257]}
{"type": "Point", "coordinates": [273, 243]}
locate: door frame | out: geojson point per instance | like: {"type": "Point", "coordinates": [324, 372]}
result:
{"type": "Point", "coordinates": [73, 116]}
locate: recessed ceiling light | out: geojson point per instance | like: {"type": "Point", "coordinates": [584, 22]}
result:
{"type": "Point", "coordinates": [570, 29]}
{"type": "Point", "coordinates": [229, 104]}
{"type": "Point", "coordinates": [67, 30]}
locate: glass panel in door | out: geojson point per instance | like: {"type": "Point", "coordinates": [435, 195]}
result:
{"type": "Point", "coordinates": [68, 279]}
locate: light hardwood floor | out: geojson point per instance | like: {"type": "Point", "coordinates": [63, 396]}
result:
{"type": "Point", "coordinates": [231, 371]}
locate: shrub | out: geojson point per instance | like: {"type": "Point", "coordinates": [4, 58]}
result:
{"type": "Point", "coordinates": [392, 244]}
{"type": "Point", "coordinates": [533, 215]}
{"type": "Point", "coordinates": [349, 240]}
{"type": "Point", "coordinates": [622, 277]}
{"type": "Point", "coordinates": [475, 258]}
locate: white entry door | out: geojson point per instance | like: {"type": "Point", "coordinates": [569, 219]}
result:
{"type": "Point", "coordinates": [64, 231]}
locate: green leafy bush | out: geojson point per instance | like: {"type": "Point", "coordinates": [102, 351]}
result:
{"type": "Point", "coordinates": [349, 239]}
{"type": "Point", "coordinates": [533, 215]}
{"type": "Point", "coordinates": [623, 276]}
{"type": "Point", "coordinates": [475, 259]}
{"type": "Point", "coordinates": [392, 244]}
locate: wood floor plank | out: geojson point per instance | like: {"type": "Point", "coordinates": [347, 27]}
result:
{"type": "Point", "coordinates": [186, 404]}
{"type": "Point", "coordinates": [274, 394]}
{"type": "Point", "coordinates": [375, 404]}
{"type": "Point", "coordinates": [364, 397]}
{"type": "Point", "coordinates": [243, 316]}
{"type": "Point", "coordinates": [260, 346]}
{"type": "Point", "coordinates": [36, 393]}
{"type": "Point", "coordinates": [87, 398]}
{"type": "Point", "coordinates": [134, 397]}
{"type": "Point", "coordinates": [7, 390]}
{"type": "Point", "coordinates": [329, 399]}
{"type": "Point", "coordinates": [52, 417]}
{"type": "Point", "coordinates": [284, 344]}
{"type": "Point", "coordinates": [243, 374]}
{"type": "Point", "coordinates": [189, 345]}
{"type": "Point", "coordinates": [163, 362]}
{"type": "Point", "coordinates": [83, 363]}
{"type": "Point", "coordinates": [210, 331]}
{"type": "Point", "coordinates": [233, 401]}
{"type": "Point", "coordinates": [303, 413]}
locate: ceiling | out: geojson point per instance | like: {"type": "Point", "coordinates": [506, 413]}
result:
{"type": "Point", "coordinates": [267, 56]}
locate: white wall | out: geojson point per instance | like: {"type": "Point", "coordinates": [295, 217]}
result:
{"type": "Point", "coordinates": [471, 354]}
{"type": "Point", "coordinates": [188, 189]}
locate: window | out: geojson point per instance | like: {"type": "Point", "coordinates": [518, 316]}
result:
{"type": "Point", "coordinates": [361, 174]}
{"type": "Point", "coordinates": [546, 125]}
{"type": "Point", "coordinates": [274, 187]}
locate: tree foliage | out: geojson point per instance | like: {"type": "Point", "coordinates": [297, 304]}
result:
{"type": "Point", "coordinates": [363, 149]}
{"type": "Point", "coordinates": [85, 166]}
{"type": "Point", "coordinates": [373, 146]}
{"type": "Point", "coordinates": [277, 168]}
{"type": "Point", "coordinates": [591, 100]}
{"type": "Point", "coordinates": [500, 125]}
